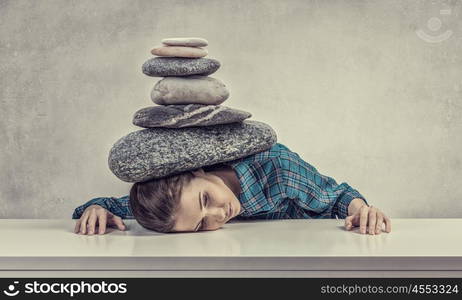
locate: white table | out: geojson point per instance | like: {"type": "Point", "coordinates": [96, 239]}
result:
{"type": "Point", "coordinates": [274, 248]}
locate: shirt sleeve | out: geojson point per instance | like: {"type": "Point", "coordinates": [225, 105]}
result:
{"type": "Point", "coordinates": [344, 194]}
{"type": "Point", "coordinates": [319, 194]}
{"type": "Point", "coordinates": [118, 206]}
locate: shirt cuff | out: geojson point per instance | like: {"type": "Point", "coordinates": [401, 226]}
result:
{"type": "Point", "coordinates": [341, 207]}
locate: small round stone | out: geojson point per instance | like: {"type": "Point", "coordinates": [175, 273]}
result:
{"type": "Point", "coordinates": [186, 41]}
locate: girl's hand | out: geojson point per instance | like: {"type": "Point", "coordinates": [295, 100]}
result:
{"type": "Point", "coordinates": [94, 213]}
{"type": "Point", "coordinates": [370, 217]}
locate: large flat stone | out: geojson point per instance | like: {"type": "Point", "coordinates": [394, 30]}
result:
{"type": "Point", "coordinates": [179, 66]}
{"type": "Point", "coordinates": [158, 152]}
{"type": "Point", "coordinates": [179, 116]}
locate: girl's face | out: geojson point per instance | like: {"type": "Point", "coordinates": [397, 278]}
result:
{"type": "Point", "coordinates": [206, 203]}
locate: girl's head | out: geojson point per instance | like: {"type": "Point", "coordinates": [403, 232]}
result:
{"type": "Point", "coordinates": [189, 201]}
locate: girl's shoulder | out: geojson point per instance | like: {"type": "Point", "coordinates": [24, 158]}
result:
{"type": "Point", "coordinates": [275, 151]}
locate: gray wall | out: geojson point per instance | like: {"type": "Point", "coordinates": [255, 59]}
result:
{"type": "Point", "coordinates": [349, 85]}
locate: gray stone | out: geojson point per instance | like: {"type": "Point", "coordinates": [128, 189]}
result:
{"type": "Point", "coordinates": [190, 115]}
{"type": "Point", "coordinates": [188, 90]}
{"type": "Point", "coordinates": [158, 152]}
{"type": "Point", "coordinates": [179, 66]}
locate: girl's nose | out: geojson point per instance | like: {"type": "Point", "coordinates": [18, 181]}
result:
{"type": "Point", "coordinates": [220, 213]}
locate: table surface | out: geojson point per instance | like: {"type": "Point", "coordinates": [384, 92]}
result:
{"type": "Point", "coordinates": [299, 244]}
{"type": "Point", "coordinates": [297, 237]}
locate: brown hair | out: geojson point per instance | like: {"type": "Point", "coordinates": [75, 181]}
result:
{"type": "Point", "coordinates": [154, 203]}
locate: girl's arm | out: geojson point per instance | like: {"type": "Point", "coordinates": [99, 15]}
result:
{"type": "Point", "coordinates": [118, 206]}
{"type": "Point", "coordinates": [317, 193]}
{"type": "Point", "coordinates": [345, 195]}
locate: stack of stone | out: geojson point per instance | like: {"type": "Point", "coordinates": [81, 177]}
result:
{"type": "Point", "coordinates": [186, 95]}
{"type": "Point", "coordinates": [188, 128]}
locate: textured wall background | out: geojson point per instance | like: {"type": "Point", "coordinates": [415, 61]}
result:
{"type": "Point", "coordinates": [349, 85]}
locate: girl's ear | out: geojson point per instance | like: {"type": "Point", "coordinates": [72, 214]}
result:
{"type": "Point", "coordinates": [198, 172]}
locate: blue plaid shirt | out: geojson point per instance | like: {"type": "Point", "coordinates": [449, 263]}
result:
{"type": "Point", "coordinates": [275, 184]}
